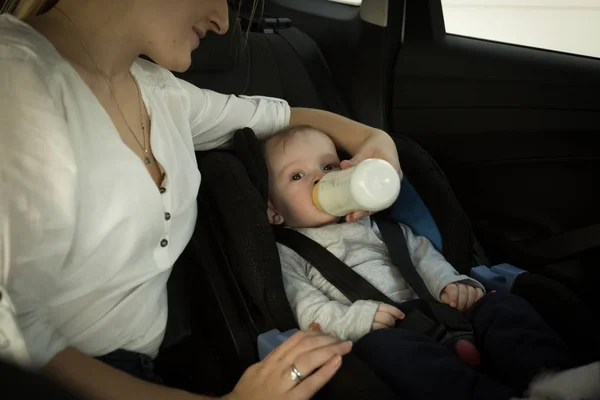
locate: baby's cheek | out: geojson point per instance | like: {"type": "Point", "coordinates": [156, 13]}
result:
{"type": "Point", "coordinates": [305, 209]}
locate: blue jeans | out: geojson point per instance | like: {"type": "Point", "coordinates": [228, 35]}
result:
{"type": "Point", "coordinates": [139, 365]}
{"type": "Point", "coordinates": [515, 345]}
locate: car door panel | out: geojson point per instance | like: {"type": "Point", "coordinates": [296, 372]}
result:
{"type": "Point", "coordinates": [514, 129]}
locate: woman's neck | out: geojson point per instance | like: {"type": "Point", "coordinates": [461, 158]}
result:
{"type": "Point", "coordinates": [92, 36]}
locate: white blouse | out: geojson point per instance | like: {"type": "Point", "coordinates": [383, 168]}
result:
{"type": "Point", "coordinates": [12, 345]}
{"type": "Point", "coordinates": [91, 239]}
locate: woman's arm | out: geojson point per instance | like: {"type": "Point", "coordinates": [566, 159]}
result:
{"type": "Point", "coordinates": [316, 355]}
{"type": "Point", "coordinates": [214, 118]}
{"type": "Point", "coordinates": [92, 379]}
{"type": "Point", "coordinates": [39, 178]}
{"type": "Point", "coordinates": [359, 140]}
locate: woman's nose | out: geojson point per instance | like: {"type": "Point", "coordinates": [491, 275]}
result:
{"type": "Point", "coordinates": [219, 22]}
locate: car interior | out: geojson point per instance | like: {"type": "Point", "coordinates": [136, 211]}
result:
{"type": "Point", "coordinates": [506, 124]}
{"type": "Point", "coordinates": [496, 138]}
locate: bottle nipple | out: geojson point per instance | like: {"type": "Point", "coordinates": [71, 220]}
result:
{"type": "Point", "coordinates": [315, 197]}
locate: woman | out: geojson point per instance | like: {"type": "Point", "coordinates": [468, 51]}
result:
{"type": "Point", "coordinates": [102, 181]}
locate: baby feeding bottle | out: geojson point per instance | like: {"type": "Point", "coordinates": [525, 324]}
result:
{"type": "Point", "coordinates": [372, 185]}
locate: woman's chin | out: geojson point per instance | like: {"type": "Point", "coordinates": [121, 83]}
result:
{"type": "Point", "coordinates": [182, 66]}
{"type": "Point", "coordinates": [175, 63]}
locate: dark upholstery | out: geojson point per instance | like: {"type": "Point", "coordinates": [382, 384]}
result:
{"type": "Point", "coordinates": [433, 187]}
{"type": "Point", "coordinates": [264, 64]}
{"type": "Point", "coordinates": [564, 311]}
{"type": "Point", "coordinates": [248, 235]}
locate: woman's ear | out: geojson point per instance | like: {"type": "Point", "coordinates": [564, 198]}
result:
{"type": "Point", "coordinates": [274, 217]}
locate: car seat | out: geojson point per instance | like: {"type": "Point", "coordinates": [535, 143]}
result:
{"type": "Point", "coordinates": [235, 256]}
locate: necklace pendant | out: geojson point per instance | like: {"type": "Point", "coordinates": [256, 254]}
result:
{"type": "Point", "coordinates": [147, 159]}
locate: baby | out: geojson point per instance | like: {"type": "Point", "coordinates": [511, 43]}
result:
{"type": "Point", "coordinates": [297, 158]}
{"type": "Point", "coordinates": [516, 342]}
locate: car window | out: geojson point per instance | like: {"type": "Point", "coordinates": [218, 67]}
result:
{"type": "Point", "coordinates": [570, 26]}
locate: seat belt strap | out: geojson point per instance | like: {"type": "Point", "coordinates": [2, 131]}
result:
{"type": "Point", "coordinates": [353, 285]}
{"type": "Point", "coordinates": [393, 237]}
{"type": "Point", "coordinates": [335, 271]}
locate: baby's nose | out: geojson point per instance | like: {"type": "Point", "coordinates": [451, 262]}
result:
{"type": "Point", "coordinates": [317, 178]}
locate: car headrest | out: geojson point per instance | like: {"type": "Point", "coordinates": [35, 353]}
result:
{"type": "Point", "coordinates": [220, 52]}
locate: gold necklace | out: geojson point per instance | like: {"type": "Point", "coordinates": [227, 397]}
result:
{"type": "Point", "coordinates": [141, 103]}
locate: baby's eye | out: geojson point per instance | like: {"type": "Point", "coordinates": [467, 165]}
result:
{"type": "Point", "coordinates": [297, 177]}
{"type": "Point", "coordinates": [330, 167]}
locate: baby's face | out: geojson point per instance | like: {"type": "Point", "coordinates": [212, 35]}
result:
{"type": "Point", "coordinates": [296, 163]}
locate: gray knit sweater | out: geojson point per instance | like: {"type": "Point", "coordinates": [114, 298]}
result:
{"type": "Point", "coordinates": [359, 245]}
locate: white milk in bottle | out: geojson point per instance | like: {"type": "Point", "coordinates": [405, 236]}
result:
{"type": "Point", "coordinates": [372, 185]}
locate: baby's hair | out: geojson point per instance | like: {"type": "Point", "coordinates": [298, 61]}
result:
{"type": "Point", "coordinates": [287, 133]}
{"type": "Point", "coordinates": [292, 130]}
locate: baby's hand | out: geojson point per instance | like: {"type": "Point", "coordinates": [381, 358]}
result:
{"type": "Point", "coordinates": [386, 317]}
{"type": "Point", "coordinates": [461, 296]}
{"type": "Point", "coordinates": [314, 327]}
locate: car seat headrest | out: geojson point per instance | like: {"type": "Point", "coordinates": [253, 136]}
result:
{"type": "Point", "coordinates": [248, 149]}
{"type": "Point", "coordinates": [220, 52]}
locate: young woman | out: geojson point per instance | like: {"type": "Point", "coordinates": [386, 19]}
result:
{"type": "Point", "coordinates": [100, 179]}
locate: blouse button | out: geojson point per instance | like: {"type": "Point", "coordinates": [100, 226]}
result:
{"type": "Point", "coordinates": [162, 190]}
{"type": "Point", "coordinates": [164, 243]}
{"type": "Point", "coordinates": [167, 216]}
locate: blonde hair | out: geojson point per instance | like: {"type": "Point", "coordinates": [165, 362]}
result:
{"type": "Point", "coordinates": [23, 9]}
{"type": "Point", "coordinates": [255, 9]}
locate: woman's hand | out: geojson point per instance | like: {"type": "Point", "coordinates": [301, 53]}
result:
{"type": "Point", "coordinates": [378, 145]}
{"type": "Point", "coordinates": [315, 356]}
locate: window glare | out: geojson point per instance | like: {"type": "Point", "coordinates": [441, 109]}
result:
{"type": "Point", "coordinates": [570, 26]}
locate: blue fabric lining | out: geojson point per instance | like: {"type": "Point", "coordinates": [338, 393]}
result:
{"type": "Point", "coordinates": [410, 209]}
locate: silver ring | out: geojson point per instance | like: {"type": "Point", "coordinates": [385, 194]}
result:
{"type": "Point", "coordinates": [295, 374]}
